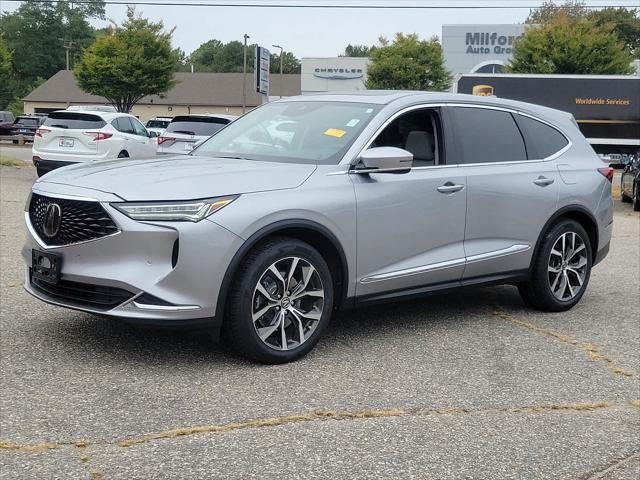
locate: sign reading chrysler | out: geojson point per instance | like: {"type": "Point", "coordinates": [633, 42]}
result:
{"type": "Point", "coordinates": [338, 73]}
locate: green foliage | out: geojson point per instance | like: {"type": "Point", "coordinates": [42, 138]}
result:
{"type": "Point", "coordinates": [408, 63]}
{"type": "Point", "coordinates": [290, 63]}
{"type": "Point", "coordinates": [215, 56]}
{"type": "Point", "coordinates": [623, 22]}
{"type": "Point", "coordinates": [565, 45]}
{"type": "Point", "coordinates": [358, 51]}
{"type": "Point", "coordinates": [549, 10]}
{"type": "Point", "coordinates": [6, 80]}
{"type": "Point", "coordinates": [134, 61]}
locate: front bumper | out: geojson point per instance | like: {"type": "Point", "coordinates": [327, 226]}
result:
{"type": "Point", "coordinates": [140, 260]}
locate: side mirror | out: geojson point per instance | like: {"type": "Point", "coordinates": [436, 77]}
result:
{"type": "Point", "coordinates": [153, 134]}
{"type": "Point", "coordinates": [391, 159]}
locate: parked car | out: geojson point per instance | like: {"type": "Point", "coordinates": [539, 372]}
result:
{"type": "Point", "coordinates": [6, 121]}
{"type": "Point", "coordinates": [26, 125]}
{"type": "Point", "coordinates": [185, 131]}
{"type": "Point", "coordinates": [158, 124]}
{"type": "Point", "coordinates": [69, 137]}
{"type": "Point", "coordinates": [378, 196]}
{"type": "Point", "coordinates": [630, 182]}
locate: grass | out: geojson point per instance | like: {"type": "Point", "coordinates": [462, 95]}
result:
{"type": "Point", "coordinates": [10, 162]}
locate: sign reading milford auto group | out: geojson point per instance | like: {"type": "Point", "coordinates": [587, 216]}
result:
{"type": "Point", "coordinates": [263, 60]}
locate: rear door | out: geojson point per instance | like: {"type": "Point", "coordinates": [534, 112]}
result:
{"type": "Point", "coordinates": [146, 146]}
{"type": "Point", "coordinates": [69, 132]}
{"type": "Point", "coordinates": [511, 189]}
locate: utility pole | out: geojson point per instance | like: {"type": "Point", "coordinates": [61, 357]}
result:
{"type": "Point", "coordinates": [67, 45]}
{"type": "Point", "coordinates": [244, 75]}
{"type": "Point", "coordinates": [281, 66]}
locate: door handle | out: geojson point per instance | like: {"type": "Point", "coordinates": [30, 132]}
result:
{"type": "Point", "coordinates": [543, 181]}
{"type": "Point", "coordinates": [450, 187]}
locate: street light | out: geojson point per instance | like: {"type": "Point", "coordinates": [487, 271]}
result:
{"type": "Point", "coordinates": [244, 75]}
{"type": "Point", "coordinates": [281, 60]}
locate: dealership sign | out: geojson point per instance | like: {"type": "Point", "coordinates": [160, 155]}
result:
{"type": "Point", "coordinates": [489, 42]}
{"type": "Point", "coordinates": [338, 73]}
{"type": "Point", "coordinates": [263, 62]}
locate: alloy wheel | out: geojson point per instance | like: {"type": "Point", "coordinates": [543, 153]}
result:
{"type": "Point", "coordinates": [287, 303]}
{"type": "Point", "coordinates": [567, 266]}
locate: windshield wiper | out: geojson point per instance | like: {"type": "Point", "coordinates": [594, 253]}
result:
{"type": "Point", "coordinates": [186, 132]}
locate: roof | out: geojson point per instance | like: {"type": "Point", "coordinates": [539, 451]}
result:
{"type": "Point", "coordinates": [193, 89]}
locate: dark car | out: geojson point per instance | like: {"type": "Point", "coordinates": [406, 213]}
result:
{"type": "Point", "coordinates": [27, 125]}
{"type": "Point", "coordinates": [630, 183]}
{"type": "Point", "coordinates": [6, 120]}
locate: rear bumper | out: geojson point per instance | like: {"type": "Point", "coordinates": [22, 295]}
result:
{"type": "Point", "coordinates": [46, 166]}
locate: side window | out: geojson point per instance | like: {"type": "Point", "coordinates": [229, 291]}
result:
{"type": "Point", "coordinates": [123, 124]}
{"type": "Point", "coordinates": [417, 132]}
{"type": "Point", "coordinates": [541, 139]}
{"type": "Point", "coordinates": [486, 135]}
{"type": "Point", "coordinates": [139, 128]}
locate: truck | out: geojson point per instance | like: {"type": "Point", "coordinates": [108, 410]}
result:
{"type": "Point", "coordinates": [606, 107]}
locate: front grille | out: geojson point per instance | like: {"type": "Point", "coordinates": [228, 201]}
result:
{"type": "Point", "coordinates": [80, 220]}
{"type": "Point", "coordinates": [96, 297]}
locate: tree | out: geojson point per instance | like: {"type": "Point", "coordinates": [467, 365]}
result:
{"type": "Point", "coordinates": [549, 10]}
{"type": "Point", "coordinates": [358, 51]}
{"type": "Point", "coordinates": [408, 63]}
{"type": "Point", "coordinates": [40, 30]}
{"type": "Point", "coordinates": [290, 63]}
{"type": "Point", "coordinates": [570, 46]}
{"type": "Point", "coordinates": [6, 92]}
{"type": "Point", "coordinates": [215, 56]}
{"type": "Point", "coordinates": [136, 60]}
{"type": "Point", "coordinates": [623, 22]}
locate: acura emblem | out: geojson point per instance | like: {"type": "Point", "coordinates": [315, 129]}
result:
{"type": "Point", "coordinates": [52, 220]}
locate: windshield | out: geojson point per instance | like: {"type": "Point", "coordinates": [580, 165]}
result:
{"type": "Point", "coordinates": [158, 123]}
{"type": "Point", "coordinates": [201, 126]}
{"type": "Point", "coordinates": [296, 132]}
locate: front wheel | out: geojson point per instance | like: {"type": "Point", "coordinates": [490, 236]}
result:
{"type": "Point", "coordinates": [280, 302]}
{"type": "Point", "coordinates": [636, 199]}
{"type": "Point", "coordinates": [623, 196]}
{"type": "Point", "coordinates": [561, 269]}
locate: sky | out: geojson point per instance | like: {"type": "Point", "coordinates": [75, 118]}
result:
{"type": "Point", "coordinates": [317, 32]}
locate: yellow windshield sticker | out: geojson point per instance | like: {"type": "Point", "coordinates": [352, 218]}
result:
{"type": "Point", "coordinates": [334, 132]}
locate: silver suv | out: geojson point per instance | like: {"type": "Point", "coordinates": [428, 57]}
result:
{"type": "Point", "coordinates": [326, 202]}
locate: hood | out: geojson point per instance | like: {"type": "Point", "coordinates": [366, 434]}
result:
{"type": "Point", "coordinates": [181, 177]}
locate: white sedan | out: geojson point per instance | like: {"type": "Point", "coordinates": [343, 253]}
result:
{"type": "Point", "coordinates": [70, 137]}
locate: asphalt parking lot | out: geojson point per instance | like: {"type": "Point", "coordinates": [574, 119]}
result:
{"type": "Point", "coordinates": [471, 385]}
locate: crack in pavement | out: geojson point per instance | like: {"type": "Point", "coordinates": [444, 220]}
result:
{"type": "Point", "coordinates": [320, 415]}
{"type": "Point", "coordinates": [613, 466]}
{"type": "Point", "coordinates": [589, 348]}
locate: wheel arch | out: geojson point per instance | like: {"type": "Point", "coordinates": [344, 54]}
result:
{"type": "Point", "coordinates": [579, 214]}
{"type": "Point", "coordinates": [313, 233]}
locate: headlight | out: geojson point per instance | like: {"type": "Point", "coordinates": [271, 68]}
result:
{"type": "Point", "coordinates": [188, 211]}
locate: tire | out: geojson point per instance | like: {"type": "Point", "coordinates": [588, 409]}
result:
{"type": "Point", "coordinates": [623, 197]}
{"type": "Point", "coordinates": [123, 154]}
{"type": "Point", "coordinates": [636, 198]}
{"type": "Point", "coordinates": [253, 320]}
{"type": "Point", "coordinates": [545, 290]}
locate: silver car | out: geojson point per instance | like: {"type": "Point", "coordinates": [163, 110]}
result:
{"type": "Point", "coordinates": [184, 132]}
{"type": "Point", "coordinates": [361, 198]}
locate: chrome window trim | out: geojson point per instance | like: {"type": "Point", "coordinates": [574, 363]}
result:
{"type": "Point", "coordinates": [469, 105]}
{"type": "Point", "coordinates": [503, 252]}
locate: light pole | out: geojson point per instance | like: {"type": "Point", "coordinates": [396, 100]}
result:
{"type": "Point", "coordinates": [244, 74]}
{"type": "Point", "coordinates": [281, 64]}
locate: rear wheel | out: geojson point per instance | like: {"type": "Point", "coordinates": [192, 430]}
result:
{"type": "Point", "coordinates": [636, 199]}
{"type": "Point", "coordinates": [561, 270]}
{"type": "Point", "coordinates": [280, 302]}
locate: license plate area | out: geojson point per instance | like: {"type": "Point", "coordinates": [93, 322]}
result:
{"type": "Point", "coordinates": [67, 142]}
{"type": "Point", "coordinates": [46, 266]}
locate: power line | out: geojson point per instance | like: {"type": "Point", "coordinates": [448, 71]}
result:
{"type": "Point", "coordinates": [351, 6]}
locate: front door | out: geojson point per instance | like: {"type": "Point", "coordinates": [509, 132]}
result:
{"type": "Point", "coordinates": [411, 225]}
